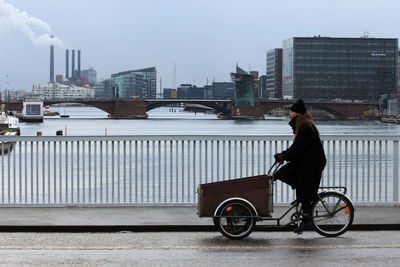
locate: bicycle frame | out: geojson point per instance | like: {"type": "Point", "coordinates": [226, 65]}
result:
{"type": "Point", "coordinates": [295, 205]}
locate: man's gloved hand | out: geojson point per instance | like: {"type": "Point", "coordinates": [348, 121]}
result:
{"type": "Point", "coordinates": [279, 157]}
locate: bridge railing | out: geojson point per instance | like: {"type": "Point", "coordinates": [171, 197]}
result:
{"type": "Point", "coordinates": [166, 170]}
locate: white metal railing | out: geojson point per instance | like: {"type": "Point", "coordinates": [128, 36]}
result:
{"type": "Point", "coordinates": [166, 170]}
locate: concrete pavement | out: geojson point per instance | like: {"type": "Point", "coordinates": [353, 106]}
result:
{"type": "Point", "coordinates": [156, 218]}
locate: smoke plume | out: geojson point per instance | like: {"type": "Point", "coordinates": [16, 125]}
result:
{"type": "Point", "coordinates": [38, 31]}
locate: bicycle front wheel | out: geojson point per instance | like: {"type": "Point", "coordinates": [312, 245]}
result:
{"type": "Point", "coordinates": [235, 219]}
{"type": "Point", "coordinates": [333, 214]}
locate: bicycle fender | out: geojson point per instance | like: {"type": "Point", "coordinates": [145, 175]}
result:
{"type": "Point", "coordinates": [345, 195]}
{"type": "Point", "coordinates": [235, 198]}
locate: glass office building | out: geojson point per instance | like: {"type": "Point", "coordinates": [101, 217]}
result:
{"type": "Point", "coordinates": [223, 90]}
{"type": "Point", "coordinates": [274, 73]}
{"type": "Point", "coordinates": [104, 89]}
{"type": "Point", "coordinates": [244, 88]}
{"type": "Point", "coordinates": [398, 73]}
{"type": "Point", "coordinates": [140, 83]}
{"type": "Point", "coordinates": [346, 68]}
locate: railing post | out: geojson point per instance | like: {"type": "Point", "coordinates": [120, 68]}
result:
{"type": "Point", "coordinates": [396, 171]}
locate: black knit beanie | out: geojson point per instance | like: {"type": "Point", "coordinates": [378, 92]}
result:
{"type": "Point", "coordinates": [299, 107]}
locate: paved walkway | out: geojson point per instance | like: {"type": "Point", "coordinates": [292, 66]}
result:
{"type": "Point", "coordinates": [157, 219]}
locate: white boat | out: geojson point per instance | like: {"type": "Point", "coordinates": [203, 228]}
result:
{"type": "Point", "coordinates": [8, 123]}
{"type": "Point", "coordinates": [8, 127]}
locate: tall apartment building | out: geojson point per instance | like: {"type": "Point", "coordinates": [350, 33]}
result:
{"type": "Point", "coordinates": [347, 68]}
{"type": "Point", "coordinates": [398, 73]}
{"type": "Point", "coordinates": [89, 76]}
{"type": "Point", "coordinates": [274, 73]}
{"type": "Point", "coordinates": [59, 91]}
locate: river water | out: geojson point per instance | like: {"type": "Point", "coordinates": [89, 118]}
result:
{"type": "Point", "coordinates": [162, 121]}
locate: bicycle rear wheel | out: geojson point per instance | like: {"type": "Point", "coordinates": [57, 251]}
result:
{"type": "Point", "coordinates": [333, 214]}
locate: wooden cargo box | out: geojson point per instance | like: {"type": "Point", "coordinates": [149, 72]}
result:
{"type": "Point", "coordinates": [255, 189]}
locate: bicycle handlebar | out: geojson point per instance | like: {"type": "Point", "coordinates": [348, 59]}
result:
{"type": "Point", "coordinates": [276, 164]}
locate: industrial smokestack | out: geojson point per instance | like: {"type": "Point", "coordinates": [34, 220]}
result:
{"type": "Point", "coordinates": [79, 65]}
{"type": "Point", "coordinates": [52, 63]}
{"type": "Point", "coordinates": [73, 64]}
{"type": "Point", "coordinates": [67, 64]}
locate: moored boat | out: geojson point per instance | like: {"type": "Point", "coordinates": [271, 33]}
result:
{"type": "Point", "coordinates": [8, 127]}
{"type": "Point", "coordinates": [47, 112]}
{"type": "Point", "coordinates": [32, 109]}
{"type": "Point", "coordinates": [8, 123]}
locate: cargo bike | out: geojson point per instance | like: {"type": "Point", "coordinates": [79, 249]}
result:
{"type": "Point", "coordinates": [236, 205]}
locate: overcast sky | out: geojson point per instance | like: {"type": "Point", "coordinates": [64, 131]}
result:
{"type": "Point", "coordinates": [204, 38]}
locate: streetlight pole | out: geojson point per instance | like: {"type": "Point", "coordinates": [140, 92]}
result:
{"type": "Point", "coordinates": [8, 100]}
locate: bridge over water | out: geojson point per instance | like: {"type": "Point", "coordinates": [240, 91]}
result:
{"type": "Point", "coordinates": [138, 108]}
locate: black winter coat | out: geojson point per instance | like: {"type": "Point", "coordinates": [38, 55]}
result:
{"type": "Point", "coordinates": [306, 159]}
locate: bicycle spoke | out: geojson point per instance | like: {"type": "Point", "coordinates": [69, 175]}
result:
{"type": "Point", "coordinates": [332, 214]}
{"type": "Point", "coordinates": [235, 220]}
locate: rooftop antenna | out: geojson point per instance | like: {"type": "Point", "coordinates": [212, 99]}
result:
{"type": "Point", "coordinates": [366, 34]}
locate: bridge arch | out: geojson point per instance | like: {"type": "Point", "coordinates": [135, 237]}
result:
{"type": "Point", "coordinates": [116, 108]}
{"type": "Point", "coordinates": [328, 109]}
{"type": "Point", "coordinates": [104, 106]}
{"type": "Point", "coordinates": [338, 110]}
{"type": "Point", "coordinates": [224, 108]}
{"type": "Point", "coordinates": [321, 106]}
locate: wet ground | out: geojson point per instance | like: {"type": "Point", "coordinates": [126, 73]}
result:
{"type": "Point", "coordinates": [374, 248]}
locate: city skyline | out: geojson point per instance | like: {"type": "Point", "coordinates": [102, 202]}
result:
{"type": "Point", "coordinates": [204, 39]}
